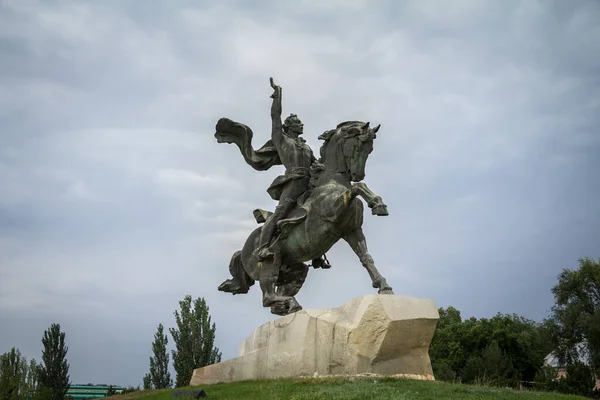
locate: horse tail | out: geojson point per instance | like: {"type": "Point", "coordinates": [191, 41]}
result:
{"type": "Point", "coordinates": [236, 268]}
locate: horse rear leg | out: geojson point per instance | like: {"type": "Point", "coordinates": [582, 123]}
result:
{"type": "Point", "coordinates": [291, 279]}
{"type": "Point", "coordinates": [358, 242]}
{"type": "Point", "coordinates": [280, 303]}
{"type": "Point", "coordinates": [241, 282]}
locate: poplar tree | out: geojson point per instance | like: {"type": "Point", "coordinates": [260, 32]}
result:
{"type": "Point", "coordinates": [13, 375]}
{"type": "Point", "coordinates": [54, 369]}
{"type": "Point", "coordinates": [160, 377]}
{"type": "Point", "coordinates": [194, 339]}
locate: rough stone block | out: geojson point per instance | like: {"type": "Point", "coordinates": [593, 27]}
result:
{"type": "Point", "coordinates": [378, 334]}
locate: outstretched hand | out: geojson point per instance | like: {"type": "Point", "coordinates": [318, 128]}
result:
{"type": "Point", "coordinates": [276, 89]}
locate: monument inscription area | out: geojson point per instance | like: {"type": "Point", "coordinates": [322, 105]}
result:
{"type": "Point", "coordinates": [319, 203]}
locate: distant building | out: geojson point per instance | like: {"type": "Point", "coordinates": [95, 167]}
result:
{"type": "Point", "coordinates": [90, 391]}
{"type": "Point", "coordinates": [561, 370]}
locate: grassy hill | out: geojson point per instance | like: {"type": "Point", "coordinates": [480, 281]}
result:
{"type": "Point", "coordinates": [349, 389]}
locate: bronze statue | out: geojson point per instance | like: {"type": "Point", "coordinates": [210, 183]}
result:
{"type": "Point", "coordinates": [317, 205]}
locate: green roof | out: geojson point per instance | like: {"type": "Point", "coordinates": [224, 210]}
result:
{"type": "Point", "coordinates": [90, 391]}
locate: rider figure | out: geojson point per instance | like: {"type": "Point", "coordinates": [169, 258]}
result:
{"type": "Point", "coordinates": [297, 157]}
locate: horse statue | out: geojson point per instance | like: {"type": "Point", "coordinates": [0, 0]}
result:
{"type": "Point", "coordinates": [328, 211]}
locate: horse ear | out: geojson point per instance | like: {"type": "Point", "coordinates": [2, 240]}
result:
{"type": "Point", "coordinates": [376, 128]}
{"type": "Point", "coordinates": [366, 126]}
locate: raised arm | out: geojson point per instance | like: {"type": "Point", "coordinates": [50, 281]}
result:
{"type": "Point", "coordinates": [277, 126]}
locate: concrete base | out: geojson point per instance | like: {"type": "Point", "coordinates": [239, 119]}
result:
{"type": "Point", "coordinates": [379, 334]}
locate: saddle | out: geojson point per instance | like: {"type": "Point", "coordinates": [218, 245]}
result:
{"type": "Point", "coordinates": [295, 216]}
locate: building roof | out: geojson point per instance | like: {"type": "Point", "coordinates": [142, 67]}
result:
{"type": "Point", "coordinates": [552, 359]}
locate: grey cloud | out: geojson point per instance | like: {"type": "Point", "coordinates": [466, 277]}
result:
{"type": "Point", "coordinates": [116, 200]}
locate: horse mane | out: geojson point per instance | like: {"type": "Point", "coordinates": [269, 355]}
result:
{"type": "Point", "coordinates": [352, 127]}
{"type": "Point", "coordinates": [348, 124]}
{"type": "Point", "coordinates": [344, 126]}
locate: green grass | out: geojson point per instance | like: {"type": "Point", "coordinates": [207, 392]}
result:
{"type": "Point", "coordinates": [340, 388]}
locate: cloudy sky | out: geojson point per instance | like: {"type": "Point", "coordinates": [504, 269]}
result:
{"type": "Point", "coordinates": [116, 201]}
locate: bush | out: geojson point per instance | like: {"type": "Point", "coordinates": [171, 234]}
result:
{"type": "Point", "coordinates": [492, 368]}
{"type": "Point", "coordinates": [130, 389]}
{"type": "Point", "coordinates": [545, 379]}
{"type": "Point", "coordinates": [579, 380]}
{"type": "Point", "coordinates": [442, 371]}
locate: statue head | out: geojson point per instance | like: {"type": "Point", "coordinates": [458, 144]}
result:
{"type": "Point", "coordinates": [292, 126]}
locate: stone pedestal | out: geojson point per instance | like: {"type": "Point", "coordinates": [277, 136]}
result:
{"type": "Point", "coordinates": [380, 334]}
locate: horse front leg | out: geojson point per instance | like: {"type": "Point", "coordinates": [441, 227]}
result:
{"type": "Point", "coordinates": [374, 201]}
{"type": "Point", "coordinates": [361, 189]}
{"type": "Point", "coordinates": [358, 242]}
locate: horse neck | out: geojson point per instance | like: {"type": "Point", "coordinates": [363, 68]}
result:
{"type": "Point", "coordinates": [331, 173]}
{"type": "Point", "coordinates": [334, 164]}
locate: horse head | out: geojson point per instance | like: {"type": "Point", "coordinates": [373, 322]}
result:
{"type": "Point", "coordinates": [347, 148]}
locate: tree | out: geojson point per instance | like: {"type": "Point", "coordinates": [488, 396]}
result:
{"type": "Point", "coordinates": [493, 367]}
{"type": "Point", "coordinates": [579, 380]}
{"type": "Point", "coordinates": [446, 349]}
{"type": "Point", "coordinates": [194, 339]}
{"type": "Point", "coordinates": [546, 378]}
{"type": "Point", "coordinates": [18, 380]}
{"type": "Point", "coordinates": [462, 349]}
{"type": "Point", "coordinates": [524, 341]}
{"type": "Point", "coordinates": [575, 319]}
{"type": "Point", "coordinates": [443, 371]}
{"type": "Point", "coordinates": [159, 364]}
{"type": "Point", "coordinates": [147, 382]}
{"type": "Point", "coordinates": [111, 391]}
{"type": "Point", "coordinates": [33, 375]}
{"type": "Point", "coordinates": [13, 375]}
{"type": "Point", "coordinates": [54, 370]}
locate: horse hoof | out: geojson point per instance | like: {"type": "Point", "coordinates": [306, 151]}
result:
{"type": "Point", "coordinates": [230, 286]}
{"type": "Point", "coordinates": [294, 309]}
{"type": "Point", "coordinates": [279, 310]}
{"type": "Point", "coordinates": [386, 291]}
{"type": "Point", "coordinates": [286, 307]}
{"type": "Point", "coordinates": [380, 210]}
{"type": "Point", "coordinates": [225, 286]}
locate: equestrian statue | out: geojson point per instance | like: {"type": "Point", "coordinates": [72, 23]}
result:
{"type": "Point", "coordinates": [318, 205]}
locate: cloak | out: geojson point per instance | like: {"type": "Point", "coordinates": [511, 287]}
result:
{"type": "Point", "coordinates": [228, 131]}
